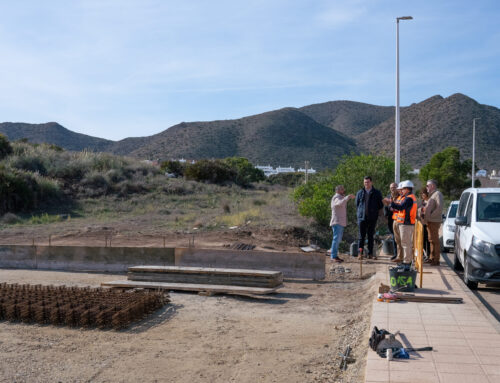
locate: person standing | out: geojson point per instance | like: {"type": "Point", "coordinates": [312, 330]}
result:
{"type": "Point", "coordinates": [433, 217]}
{"type": "Point", "coordinates": [424, 195]}
{"type": "Point", "coordinates": [338, 222]}
{"type": "Point", "coordinates": [368, 205]}
{"type": "Point", "coordinates": [389, 213]}
{"type": "Point", "coordinates": [407, 208]}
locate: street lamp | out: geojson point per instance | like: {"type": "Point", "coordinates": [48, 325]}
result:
{"type": "Point", "coordinates": [474, 148]}
{"type": "Point", "coordinates": [396, 135]}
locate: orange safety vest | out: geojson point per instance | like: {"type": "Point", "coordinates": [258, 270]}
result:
{"type": "Point", "coordinates": [396, 212]}
{"type": "Point", "coordinates": [401, 216]}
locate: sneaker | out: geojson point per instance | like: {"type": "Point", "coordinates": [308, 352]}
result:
{"type": "Point", "coordinates": [338, 260]}
{"type": "Point", "coordinates": [394, 257]}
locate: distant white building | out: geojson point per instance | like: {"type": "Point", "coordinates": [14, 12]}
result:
{"type": "Point", "coordinates": [481, 173]}
{"type": "Point", "coordinates": [279, 169]}
{"type": "Point", "coordinates": [269, 170]}
{"type": "Point", "coordinates": [302, 170]}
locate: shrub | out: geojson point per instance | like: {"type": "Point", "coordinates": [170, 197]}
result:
{"type": "Point", "coordinates": [10, 219]}
{"type": "Point", "coordinates": [214, 171]}
{"type": "Point", "coordinates": [44, 219]}
{"type": "Point", "coordinates": [286, 179]}
{"type": "Point", "coordinates": [115, 175]}
{"type": "Point", "coordinates": [16, 191]}
{"type": "Point", "coordinates": [174, 167]}
{"type": "Point", "coordinates": [5, 147]}
{"type": "Point", "coordinates": [30, 163]}
{"type": "Point", "coordinates": [246, 173]}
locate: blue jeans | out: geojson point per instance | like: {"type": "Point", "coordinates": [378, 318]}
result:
{"type": "Point", "coordinates": [338, 231]}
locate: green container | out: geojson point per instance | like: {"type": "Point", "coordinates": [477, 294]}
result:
{"type": "Point", "coordinates": [402, 280]}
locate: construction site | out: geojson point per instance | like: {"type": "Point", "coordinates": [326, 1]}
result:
{"type": "Point", "coordinates": [80, 314]}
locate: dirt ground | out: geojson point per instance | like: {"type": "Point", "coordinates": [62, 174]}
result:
{"type": "Point", "coordinates": [293, 336]}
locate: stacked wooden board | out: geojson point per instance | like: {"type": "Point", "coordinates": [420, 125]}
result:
{"type": "Point", "coordinates": [207, 279]}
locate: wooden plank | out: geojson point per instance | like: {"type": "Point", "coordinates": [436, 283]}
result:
{"type": "Point", "coordinates": [191, 287]}
{"type": "Point", "coordinates": [203, 270]}
{"type": "Point", "coordinates": [207, 279]}
{"type": "Point", "coordinates": [429, 298]}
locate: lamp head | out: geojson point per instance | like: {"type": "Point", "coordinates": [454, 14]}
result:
{"type": "Point", "coordinates": [404, 18]}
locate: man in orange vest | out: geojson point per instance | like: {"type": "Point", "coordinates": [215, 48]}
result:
{"type": "Point", "coordinates": [405, 218]}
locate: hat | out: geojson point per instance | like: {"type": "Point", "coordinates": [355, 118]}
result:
{"type": "Point", "coordinates": [406, 184]}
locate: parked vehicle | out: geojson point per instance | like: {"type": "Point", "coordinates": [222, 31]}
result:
{"type": "Point", "coordinates": [449, 227]}
{"type": "Point", "coordinates": [477, 236]}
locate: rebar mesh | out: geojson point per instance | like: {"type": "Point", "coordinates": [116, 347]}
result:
{"type": "Point", "coordinates": [77, 306]}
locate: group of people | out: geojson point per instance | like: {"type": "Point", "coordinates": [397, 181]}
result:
{"type": "Point", "coordinates": [402, 210]}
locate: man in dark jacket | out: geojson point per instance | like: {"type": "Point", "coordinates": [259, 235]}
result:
{"type": "Point", "coordinates": [368, 203]}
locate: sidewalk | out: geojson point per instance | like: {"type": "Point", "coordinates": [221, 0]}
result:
{"type": "Point", "coordinates": [465, 337]}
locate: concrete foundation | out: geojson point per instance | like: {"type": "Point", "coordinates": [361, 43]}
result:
{"type": "Point", "coordinates": [119, 259]}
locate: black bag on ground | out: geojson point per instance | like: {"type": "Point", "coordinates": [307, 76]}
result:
{"type": "Point", "coordinates": [377, 336]}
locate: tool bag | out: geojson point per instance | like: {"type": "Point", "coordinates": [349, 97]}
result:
{"type": "Point", "coordinates": [376, 337]}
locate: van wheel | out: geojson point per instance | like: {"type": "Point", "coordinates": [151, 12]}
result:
{"type": "Point", "coordinates": [456, 263]}
{"type": "Point", "coordinates": [470, 284]}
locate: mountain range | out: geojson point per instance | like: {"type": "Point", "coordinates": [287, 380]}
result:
{"type": "Point", "coordinates": [319, 133]}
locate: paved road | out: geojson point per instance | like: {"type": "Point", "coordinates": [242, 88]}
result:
{"type": "Point", "coordinates": [489, 295]}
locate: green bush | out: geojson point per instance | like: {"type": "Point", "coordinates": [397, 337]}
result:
{"type": "Point", "coordinates": [30, 163]}
{"type": "Point", "coordinates": [214, 171]}
{"type": "Point", "coordinates": [246, 173]}
{"type": "Point", "coordinates": [16, 191]}
{"type": "Point", "coordinates": [5, 147]}
{"type": "Point", "coordinates": [174, 167]}
{"type": "Point", "coordinates": [313, 199]}
{"type": "Point", "coordinates": [451, 174]}
{"type": "Point", "coordinates": [286, 179]}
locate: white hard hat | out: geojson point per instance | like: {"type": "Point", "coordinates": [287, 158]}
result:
{"type": "Point", "coordinates": [406, 184]}
{"type": "Point", "coordinates": [399, 186]}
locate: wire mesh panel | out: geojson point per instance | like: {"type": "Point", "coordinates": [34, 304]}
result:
{"type": "Point", "coordinates": [77, 306]}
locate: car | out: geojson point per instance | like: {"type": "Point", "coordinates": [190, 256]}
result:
{"type": "Point", "coordinates": [449, 227]}
{"type": "Point", "coordinates": [477, 236]}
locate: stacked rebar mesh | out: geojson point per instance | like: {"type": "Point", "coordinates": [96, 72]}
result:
{"type": "Point", "coordinates": [77, 306]}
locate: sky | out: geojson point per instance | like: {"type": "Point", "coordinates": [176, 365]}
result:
{"type": "Point", "coordinates": [128, 68]}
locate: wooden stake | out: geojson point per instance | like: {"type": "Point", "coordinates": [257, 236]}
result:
{"type": "Point", "coordinates": [361, 263]}
{"type": "Point", "coordinates": [163, 241]}
{"type": "Point", "coordinates": [50, 239]}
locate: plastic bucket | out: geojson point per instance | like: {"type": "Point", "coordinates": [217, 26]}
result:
{"type": "Point", "coordinates": [354, 249]}
{"type": "Point", "coordinates": [388, 246]}
{"type": "Point", "coordinates": [402, 280]}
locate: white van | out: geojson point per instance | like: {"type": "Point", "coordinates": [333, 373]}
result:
{"type": "Point", "coordinates": [477, 236]}
{"type": "Point", "coordinates": [449, 227]}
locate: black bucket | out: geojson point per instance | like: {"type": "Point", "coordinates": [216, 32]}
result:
{"type": "Point", "coordinates": [388, 246]}
{"type": "Point", "coordinates": [402, 280]}
{"type": "Point", "coordinates": [354, 249]}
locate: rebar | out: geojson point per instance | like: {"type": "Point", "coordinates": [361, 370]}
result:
{"type": "Point", "coordinates": [77, 306]}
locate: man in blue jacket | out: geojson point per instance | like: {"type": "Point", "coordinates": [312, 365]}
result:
{"type": "Point", "coordinates": [368, 203]}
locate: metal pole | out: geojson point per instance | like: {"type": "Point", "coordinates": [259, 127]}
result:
{"type": "Point", "coordinates": [473, 149]}
{"type": "Point", "coordinates": [396, 134]}
{"type": "Point", "coordinates": [397, 138]}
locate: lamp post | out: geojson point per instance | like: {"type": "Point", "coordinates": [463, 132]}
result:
{"type": "Point", "coordinates": [474, 148]}
{"type": "Point", "coordinates": [396, 135]}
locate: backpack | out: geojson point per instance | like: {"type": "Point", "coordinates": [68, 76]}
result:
{"type": "Point", "coordinates": [376, 337]}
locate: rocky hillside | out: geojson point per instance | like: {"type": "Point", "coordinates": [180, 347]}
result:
{"type": "Point", "coordinates": [281, 137]}
{"type": "Point", "coordinates": [433, 124]}
{"type": "Point", "coordinates": [348, 117]}
{"type": "Point", "coordinates": [53, 133]}
{"type": "Point", "coordinates": [319, 133]}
